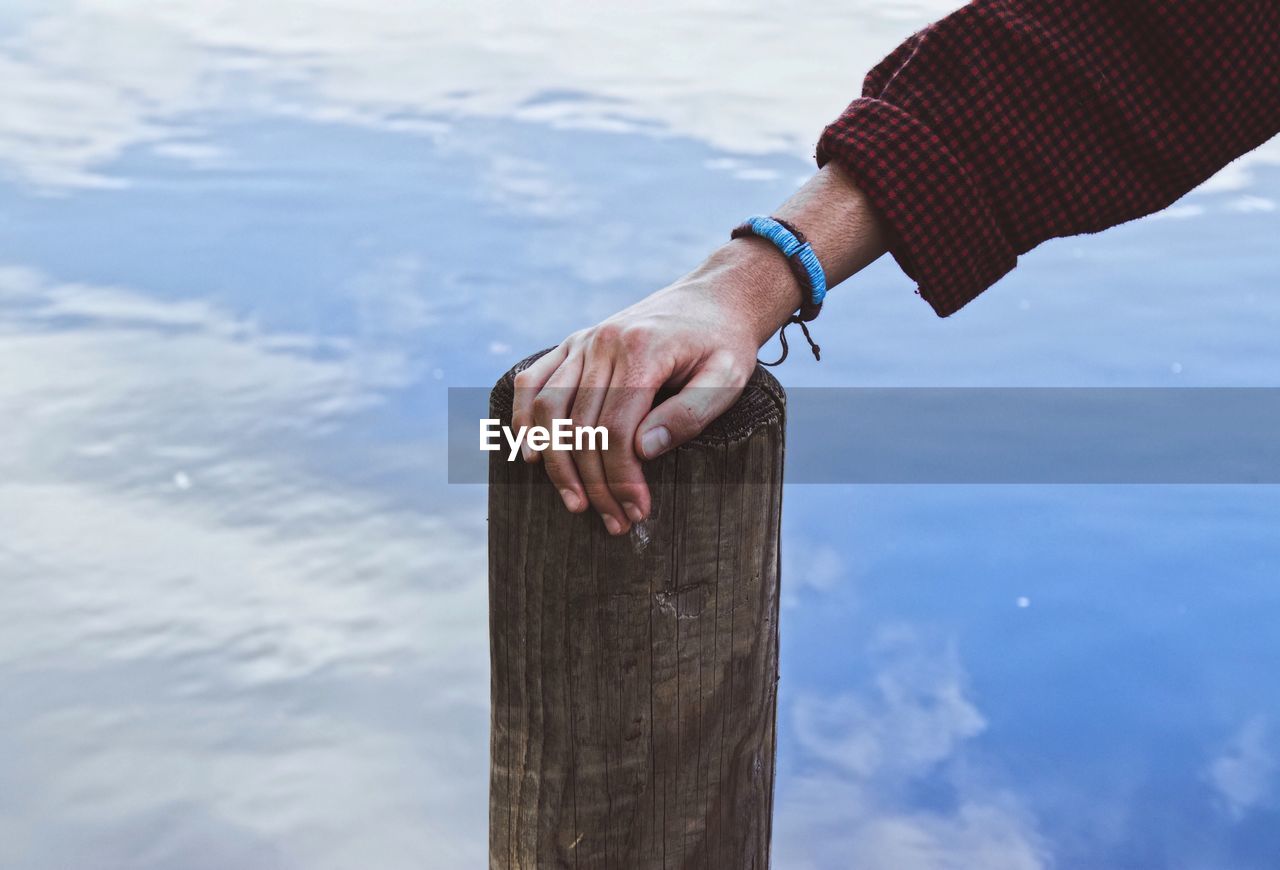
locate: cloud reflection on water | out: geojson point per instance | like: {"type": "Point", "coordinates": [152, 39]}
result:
{"type": "Point", "coordinates": [1245, 773]}
{"type": "Point", "coordinates": [90, 80]}
{"type": "Point", "coordinates": [862, 753]}
{"type": "Point", "coordinates": [223, 658]}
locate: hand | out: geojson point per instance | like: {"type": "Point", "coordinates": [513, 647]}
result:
{"type": "Point", "coordinates": [700, 335]}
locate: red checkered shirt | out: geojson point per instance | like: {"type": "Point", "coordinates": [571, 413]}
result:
{"type": "Point", "coordinates": [1011, 122]}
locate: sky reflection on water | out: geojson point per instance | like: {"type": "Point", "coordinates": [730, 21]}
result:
{"type": "Point", "coordinates": [244, 249]}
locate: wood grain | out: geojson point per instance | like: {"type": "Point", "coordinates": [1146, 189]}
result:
{"type": "Point", "coordinates": [634, 679]}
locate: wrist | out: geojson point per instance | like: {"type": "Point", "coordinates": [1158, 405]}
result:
{"type": "Point", "coordinates": [754, 279]}
{"type": "Point", "coordinates": [839, 222]}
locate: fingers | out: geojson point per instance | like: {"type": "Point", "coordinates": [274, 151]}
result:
{"type": "Point", "coordinates": [552, 403]}
{"type": "Point", "coordinates": [528, 384]}
{"type": "Point", "coordinates": [592, 392]}
{"type": "Point", "coordinates": [629, 399]}
{"type": "Point", "coordinates": [607, 378]}
{"type": "Point", "coordinates": [707, 395]}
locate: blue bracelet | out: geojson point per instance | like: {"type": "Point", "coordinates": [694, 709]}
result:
{"type": "Point", "coordinates": [804, 262]}
{"type": "Point", "coordinates": [804, 265]}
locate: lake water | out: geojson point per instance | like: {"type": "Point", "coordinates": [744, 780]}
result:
{"type": "Point", "coordinates": [245, 247]}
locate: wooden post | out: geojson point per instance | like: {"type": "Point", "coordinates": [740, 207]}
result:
{"type": "Point", "coordinates": [634, 679]}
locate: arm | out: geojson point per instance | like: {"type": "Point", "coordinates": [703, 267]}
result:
{"type": "Point", "coordinates": [700, 334]}
{"type": "Point", "coordinates": [1005, 124]}
{"type": "Point", "coordinates": [1010, 122]}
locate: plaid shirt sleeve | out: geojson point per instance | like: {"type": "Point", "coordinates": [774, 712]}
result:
{"type": "Point", "coordinates": [1015, 121]}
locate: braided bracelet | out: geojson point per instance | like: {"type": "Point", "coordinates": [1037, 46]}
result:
{"type": "Point", "coordinates": [804, 265]}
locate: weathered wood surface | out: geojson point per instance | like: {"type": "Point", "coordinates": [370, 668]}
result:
{"type": "Point", "coordinates": [634, 679]}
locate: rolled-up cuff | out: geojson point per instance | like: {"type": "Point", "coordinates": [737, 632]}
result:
{"type": "Point", "coordinates": [940, 227]}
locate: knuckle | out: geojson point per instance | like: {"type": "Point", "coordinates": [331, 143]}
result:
{"type": "Point", "coordinates": [543, 407]}
{"type": "Point", "coordinates": [611, 419]}
{"type": "Point", "coordinates": [559, 479]}
{"type": "Point", "coordinates": [636, 338]}
{"type": "Point", "coordinates": [598, 494]}
{"type": "Point", "coordinates": [583, 403]}
{"type": "Point", "coordinates": [559, 470]}
{"type": "Point", "coordinates": [733, 365]}
{"type": "Point", "coordinates": [618, 463]}
{"type": "Point", "coordinates": [633, 493]}
{"type": "Point", "coordinates": [626, 490]}
{"type": "Point", "coordinates": [524, 380]}
{"type": "Point", "coordinates": [611, 429]}
{"type": "Point", "coordinates": [606, 334]}
{"type": "Point", "coordinates": [740, 370]}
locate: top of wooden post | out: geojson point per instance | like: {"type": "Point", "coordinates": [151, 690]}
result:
{"type": "Point", "coordinates": [762, 403]}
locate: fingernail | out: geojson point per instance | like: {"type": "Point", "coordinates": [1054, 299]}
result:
{"type": "Point", "coordinates": [653, 442]}
{"type": "Point", "coordinates": [611, 523]}
{"type": "Point", "coordinates": [526, 452]}
{"type": "Point", "coordinates": [571, 500]}
{"type": "Point", "coordinates": [632, 511]}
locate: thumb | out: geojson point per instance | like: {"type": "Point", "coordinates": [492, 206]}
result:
{"type": "Point", "coordinates": [709, 393]}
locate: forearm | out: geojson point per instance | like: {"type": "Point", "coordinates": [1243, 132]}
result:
{"type": "Point", "coordinates": [1114, 111]}
{"type": "Point", "coordinates": [749, 273]}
